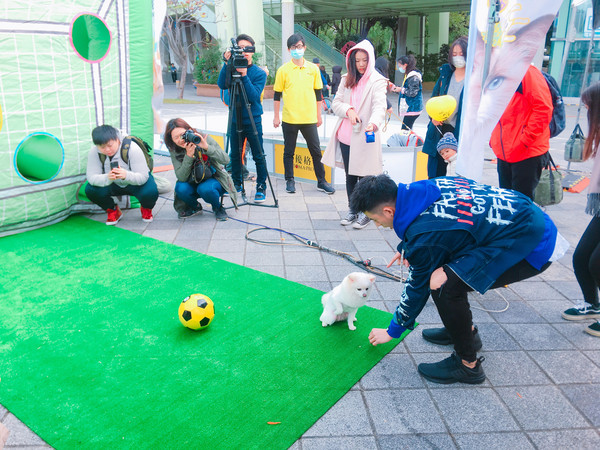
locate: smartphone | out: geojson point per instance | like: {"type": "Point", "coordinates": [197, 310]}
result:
{"type": "Point", "coordinates": [114, 165]}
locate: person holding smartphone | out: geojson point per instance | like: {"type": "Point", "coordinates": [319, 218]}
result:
{"type": "Point", "coordinates": [211, 184]}
{"type": "Point", "coordinates": [108, 175]}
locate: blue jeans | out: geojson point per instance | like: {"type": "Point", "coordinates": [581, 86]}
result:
{"type": "Point", "coordinates": [256, 144]}
{"type": "Point", "coordinates": [147, 193]}
{"type": "Point", "coordinates": [210, 191]}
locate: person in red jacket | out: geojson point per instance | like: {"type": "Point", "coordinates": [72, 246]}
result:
{"type": "Point", "coordinates": [521, 139]}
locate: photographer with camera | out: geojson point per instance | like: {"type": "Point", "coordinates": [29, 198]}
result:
{"type": "Point", "coordinates": [239, 64]}
{"type": "Point", "coordinates": [198, 162]}
{"type": "Point", "coordinates": [111, 171]}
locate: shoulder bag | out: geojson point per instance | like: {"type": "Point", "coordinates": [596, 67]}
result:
{"type": "Point", "coordinates": [574, 145]}
{"type": "Point", "coordinates": [549, 190]}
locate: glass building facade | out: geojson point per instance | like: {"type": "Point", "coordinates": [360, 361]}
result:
{"type": "Point", "coordinates": [579, 16]}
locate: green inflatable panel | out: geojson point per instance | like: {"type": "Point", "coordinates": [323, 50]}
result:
{"type": "Point", "coordinates": [91, 38]}
{"type": "Point", "coordinates": [39, 157]}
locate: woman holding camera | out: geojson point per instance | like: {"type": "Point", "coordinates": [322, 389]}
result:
{"type": "Point", "coordinates": [198, 163]}
{"type": "Point", "coordinates": [360, 104]}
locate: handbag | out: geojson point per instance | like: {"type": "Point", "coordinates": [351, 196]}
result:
{"type": "Point", "coordinates": [201, 170]}
{"type": "Point", "coordinates": [574, 145]}
{"type": "Point", "coordinates": [549, 190]}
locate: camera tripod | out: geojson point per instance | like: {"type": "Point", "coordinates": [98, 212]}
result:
{"type": "Point", "coordinates": [237, 93]}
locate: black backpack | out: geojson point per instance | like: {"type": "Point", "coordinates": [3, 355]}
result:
{"type": "Point", "coordinates": [558, 122]}
{"type": "Point", "coordinates": [125, 144]}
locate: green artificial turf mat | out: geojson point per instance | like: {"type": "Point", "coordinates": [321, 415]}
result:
{"type": "Point", "coordinates": [92, 353]}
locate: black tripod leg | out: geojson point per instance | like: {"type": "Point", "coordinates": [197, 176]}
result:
{"type": "Point", "coordinates": [237, 110]}
{"type": "Point", "coordinates": [261, 149]}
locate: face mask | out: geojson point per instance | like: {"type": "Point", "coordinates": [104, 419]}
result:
{"type": "Point", "coordinates": [459, 62]}
{"type": "Point", "coordinates": [297, 53]}
{"type": "Point", "coordinates": [401, 69]}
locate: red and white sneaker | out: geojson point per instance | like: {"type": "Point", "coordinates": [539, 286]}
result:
{"type": "Point", "coordinates": [146, 214]}
{"type": "Point", "coordinates": [114, 215]}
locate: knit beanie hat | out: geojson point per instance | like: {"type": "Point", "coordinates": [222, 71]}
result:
{"type": "Point", "coordinates": [448, 141]}
{"type": "Point", "coordinates": [316, 60]}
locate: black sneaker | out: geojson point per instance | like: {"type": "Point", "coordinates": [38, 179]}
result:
{"type": "Point", "coordinates": [583, 311]}
{"type": "Point", "coordinates": [452, 370]}
{"type": "Point", "coordinates": [290, 186]}
{"type": "Point", "coordinates": [190, 212]}
{"type": "Point", "coordinates": [325, 187]}
{"type": "Point", "coordinates": [221, 214]}
{"type": "Point", "coordinates": [440, 336]}
{"type": "Point", "coordinates": [593, 329]}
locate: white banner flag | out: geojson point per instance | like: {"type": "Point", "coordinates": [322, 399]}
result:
{"type": "Point", "coordinates": [517, 37]}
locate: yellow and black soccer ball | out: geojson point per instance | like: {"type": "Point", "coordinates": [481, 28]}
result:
{"type": "Point", "coordinates": [196, 311]}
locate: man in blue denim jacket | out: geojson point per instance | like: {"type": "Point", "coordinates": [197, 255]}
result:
{"type": "Point", "coordinates": [457, 236]}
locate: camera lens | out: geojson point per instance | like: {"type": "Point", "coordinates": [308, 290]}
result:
{"type": "Point", "coordinates": [190, 136]}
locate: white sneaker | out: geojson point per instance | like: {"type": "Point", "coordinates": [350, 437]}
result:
{"type": "Point", "coordinates": [349, 219]}
{"type": "Point", "coordinates": [361, 222]}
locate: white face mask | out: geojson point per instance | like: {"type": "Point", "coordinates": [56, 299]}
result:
{"type": "Point", "coordinates": [459, 62]}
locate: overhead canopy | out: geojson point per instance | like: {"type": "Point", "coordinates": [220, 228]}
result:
{"type": "Point", "coordinates": [352, 9]}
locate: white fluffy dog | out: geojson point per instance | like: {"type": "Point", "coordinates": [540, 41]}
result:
{"type": "Point", "coordinates": [345, 299]}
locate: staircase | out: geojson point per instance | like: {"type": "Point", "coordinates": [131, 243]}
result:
{"type": "Point", "coordinates": [315, 47]}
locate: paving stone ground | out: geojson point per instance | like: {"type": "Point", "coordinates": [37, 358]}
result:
{"type": "Point", "coordinates": [543, 373]}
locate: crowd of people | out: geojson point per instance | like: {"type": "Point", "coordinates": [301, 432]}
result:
{"type": "Point", "coordinates": [448, 255]}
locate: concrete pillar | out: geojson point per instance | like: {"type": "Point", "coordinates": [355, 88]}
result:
{"type": "Point", "coordinates": [225, 21]}
{"type": "Point", "coordinates": [401, 37]}
{"type": "Point", "coordinates": [413, 32]}
{"type": "Point", "coordinates": [287, 28]}
{"type": "Point", "coordinates": [439, 24]}
{"type": "Point", "coordinates": [400, 46]}
{"type": "Point", "coordinates": [250, 20]}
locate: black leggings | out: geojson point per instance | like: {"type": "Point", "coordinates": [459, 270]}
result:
{"type": "Point", "coordinates": [351, 180]}
{"type": "Point", "coordinates": [586, 261]}
{"type": "Point", "coordinates": [453, 305]}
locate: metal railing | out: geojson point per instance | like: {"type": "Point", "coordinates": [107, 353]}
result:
{"type": "Point", "coordinates": [320, 48]}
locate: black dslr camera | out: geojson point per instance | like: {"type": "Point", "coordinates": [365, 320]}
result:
{"type": "Point", "coordinates": [237, 59]}
{"type": "Point", "coordinates": [190, 136]}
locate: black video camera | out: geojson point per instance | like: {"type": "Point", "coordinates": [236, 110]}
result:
{"type": "Point", "coordinates": [190, 136]}
{"type": "Point", "coordinates": [237, 59]}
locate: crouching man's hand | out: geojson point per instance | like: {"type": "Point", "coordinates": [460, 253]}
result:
{"type": "Point", "coordinates": [379, 336]}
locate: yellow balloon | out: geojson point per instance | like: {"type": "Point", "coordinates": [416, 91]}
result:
{"type": "Point", "coordinates": [440, 108]}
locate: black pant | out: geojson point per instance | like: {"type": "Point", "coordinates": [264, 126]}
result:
{"type": "Point", "coordinates": [147, 193]}
{"type": "Point", "coordinates": [408, 122]}
{"type": "Point", "coordinates": [522, 176]}
{"type": "Point", "coordinates": [586, 261]}
{"type": "Point", "coordinates": [311, 136]}
{"type": "Point", "coordinates": [453, 306]}
{"type": "Point", "coordinates": [436, 166]}
{"type": "Point", "coordinates": [351, 180]}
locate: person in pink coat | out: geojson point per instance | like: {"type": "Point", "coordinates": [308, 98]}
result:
{"type": "Point", "coordinates": [360, 104]}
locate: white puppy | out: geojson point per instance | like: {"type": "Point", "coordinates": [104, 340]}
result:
{"type": "Point", "coordinates": [352, 293]}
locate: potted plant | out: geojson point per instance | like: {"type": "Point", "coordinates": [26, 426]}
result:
{"type": "Point", "coordinates": [206, 71]}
